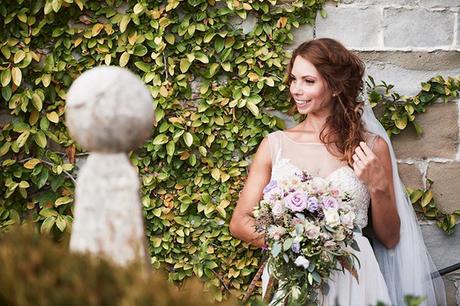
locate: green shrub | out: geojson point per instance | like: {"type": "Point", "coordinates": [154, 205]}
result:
{"type": "Point", "coordinates": [37, 271]}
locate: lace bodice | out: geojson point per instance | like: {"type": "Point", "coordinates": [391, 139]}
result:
{"type": "Point", "coordinates": [288, 156]}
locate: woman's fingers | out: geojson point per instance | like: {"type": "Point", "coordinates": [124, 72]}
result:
{"type": "Point", "coordinates": [360, 154]}
{"type": "Point", "coordinates": [365, 148]}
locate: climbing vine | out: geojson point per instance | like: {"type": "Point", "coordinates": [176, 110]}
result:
{"type": "Point", "coordinates": [212, 67]}
{"type": "Point", "coordinates": [400, 111]}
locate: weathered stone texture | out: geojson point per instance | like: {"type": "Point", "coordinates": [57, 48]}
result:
{"type": "Point", "coordinates": [110, 111]}
{"type": "Point", "coordinates": [355, 27]}
{"type": "Point", "coordinates": [301, 34]}
{"type": "Point", "coordinates": [446, 178]}
{"type": "Point", "coordinates": [410, 175]}
{"type": "Point", "coordinates": [437, 242]}
{"type": "Point", "coordinates": [101, 110]}
{"type": "Point", "coordinates": [417, 27]}
{"type": "Point", "coordinates": [406, 81]}
{"type": "Point", "coordinates": [439, 138]}
{"type": "Point", "coordinates": [432, 62]}
{"type": "Point", "coordinates": [383, 2]}
{"type": "Point", "coordinates": [458, 29]}
{"type": "Point", "coordinates": [440, 3]}
{"type": "Point", "coordinates": [451, 281]}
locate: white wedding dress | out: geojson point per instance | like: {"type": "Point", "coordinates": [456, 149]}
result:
{"type": "Point", "coordinates": [290, 156]}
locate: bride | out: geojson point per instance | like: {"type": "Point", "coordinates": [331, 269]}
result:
{"type": "Point", "coordinates": [341, 141]}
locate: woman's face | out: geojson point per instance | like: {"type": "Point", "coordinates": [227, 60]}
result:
{"type": "Point", "coordinates": [308, 88]}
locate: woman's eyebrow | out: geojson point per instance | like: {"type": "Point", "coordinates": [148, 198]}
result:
{"type": "Point", "coordinates": [305, 76]}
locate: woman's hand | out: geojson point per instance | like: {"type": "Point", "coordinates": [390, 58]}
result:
{"type": "Point", "coordinates": [369, 169]}
{"type": "Point", "coordinates": [373, 168]}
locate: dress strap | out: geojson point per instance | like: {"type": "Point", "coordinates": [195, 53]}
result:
{"type": "Point", "coordinates": [274, 142]}
{"type": "Point", "coordinates": [371, 140]}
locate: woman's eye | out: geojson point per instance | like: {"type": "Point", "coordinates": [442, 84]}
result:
{"type": "Point", "coordinates": [310, 81]}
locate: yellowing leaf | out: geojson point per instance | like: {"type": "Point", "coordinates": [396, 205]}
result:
{"type": "Point", "coordinates": [202, 57]}
{"type": "Point", "coordinates": [184, 65]}
{"type": "Point", "coordinates": [62, 200]}
{"type": "Point", "coordinates": [427, 198]}
{"type": "Point", "coordinates": [253, 77]}
{"type": "Point", "coordinates": [253, 108]}
{"type": "Point", "coordinates": [160, 139]}
{"type": "Point", "coordinates": [53, 117]}
{"type": "Point", "coordinates": [37, 101]}
{"type": "Point", "coordinates": [224, 177]}
{"type": "Point", "coordinates": [46, 80]}
{"type": "Point", "coordinates": [96, 29]}
{"type": "Point", "coordinates": [80, 4]}
{"type": "Point", "coordinates": [32, 163]}
{"type": "Point", "coordinates": [5, 148]}
{"type": "Point", "coordinates": [164, 91]}
{"type": "Point", "coordinates": [17, 76]}
{"type": "Point", "coordinates": [19, 56]}
{"type": "Point", "coordinates": [215, 173]}
{"type": "Point", "coordinates": [138, 8]}
{"type": "Point", "coordinates": [21, 141]}
{"type": "Point", "coordinates": [124, 58]}
{"type": "Point", "coordinates": [5, 77]}
{"type": "Point", "coordinates": [24, 184]}
{"type": "Point", "coordinates": [124, 23]}
{"type": "Point", "coordinates": [108, 59]}
{"type": "Point", "coordinates": [188, 138]}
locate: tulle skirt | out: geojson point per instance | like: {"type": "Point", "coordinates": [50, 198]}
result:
{"type": "Point", "coordinates": [345, 290]}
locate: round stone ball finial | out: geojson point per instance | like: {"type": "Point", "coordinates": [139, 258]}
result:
{"type": "Point", "coordinates": [109, 109]}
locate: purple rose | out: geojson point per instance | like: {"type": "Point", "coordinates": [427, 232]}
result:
{"type": "Point", "coordinates": [295, 247]}
{"type": "Point", "coordinates": [270, 186]}
{"type": "Point", "coordinates": [330, 203]}
{"type": "Point", "coordinates": [296, 201]}
{"type": "Point", "coordinates": [312, 204]}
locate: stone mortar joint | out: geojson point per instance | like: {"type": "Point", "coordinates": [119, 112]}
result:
{"type": "Point", "coordinates": [109, 112]}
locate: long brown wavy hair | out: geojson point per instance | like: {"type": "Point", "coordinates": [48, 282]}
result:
{"type": "Point", "coordinates": [343, 73]}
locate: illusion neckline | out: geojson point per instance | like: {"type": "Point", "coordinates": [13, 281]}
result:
{"type": "Point", "coordinates": [327, 177]}
{"type": "Point", "coordinates": [301, 142]}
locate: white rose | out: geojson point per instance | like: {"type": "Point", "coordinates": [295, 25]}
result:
{"type": "Point", "coordinates": [278, 208]}
{"type": "Point", "coordinates": [302, 262]}
{"type": "Point", "coordinates": [348, 218]}
{"type": "Point", "coordinates": [332, 217]}
{"type": "Point", "coordinates": [312, 231]}
{"type": "Point", "coordinates": [275, 232]}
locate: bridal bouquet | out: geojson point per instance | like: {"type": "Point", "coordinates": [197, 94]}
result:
{"type": "Point", "coordinates": [308, 226]}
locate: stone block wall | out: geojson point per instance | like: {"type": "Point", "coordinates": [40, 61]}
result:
{"type": "Point", "coordinates": [406, 42]}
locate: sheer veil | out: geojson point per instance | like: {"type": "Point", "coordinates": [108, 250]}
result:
{"type": "Point", "coordinates": [408, 268]}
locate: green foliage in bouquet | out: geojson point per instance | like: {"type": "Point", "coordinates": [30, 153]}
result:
{"type": "Point", "coordinates": [37, 271]}
{"type": "Point", "coordinates": [214, 86]}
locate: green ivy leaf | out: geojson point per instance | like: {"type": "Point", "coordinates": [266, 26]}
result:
{"type": "Point", "coordinates": [160, 139]}
{"type": "Point", "coordinates": [184, 65]}
{"type": "Point", "coordinates": [5, 77]}
{"type": "Point", "coordinates": [188, 138]}
{"type": "Point", "coordinates": [124, 59]}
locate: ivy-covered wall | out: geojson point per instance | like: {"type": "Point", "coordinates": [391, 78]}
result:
{"type": "Point", "coordinates": [215, 70]}
{"type": "Point", "coordinates": [212, 82]}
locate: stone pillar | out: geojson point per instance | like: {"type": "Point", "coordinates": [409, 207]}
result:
{"type": "Point", "coordinates": [109, 112]}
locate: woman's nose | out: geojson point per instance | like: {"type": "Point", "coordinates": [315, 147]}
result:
{"type": "Point", "coordinates": [296, 88]}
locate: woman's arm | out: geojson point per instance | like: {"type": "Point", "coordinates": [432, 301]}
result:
{"type": "Point", "coordinates": [242, 222]}
{"type": "Point", "coordinates": [373, 167]}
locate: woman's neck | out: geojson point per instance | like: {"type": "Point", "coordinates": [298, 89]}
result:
{"type": "Point", "coordinates": [314, 123]}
